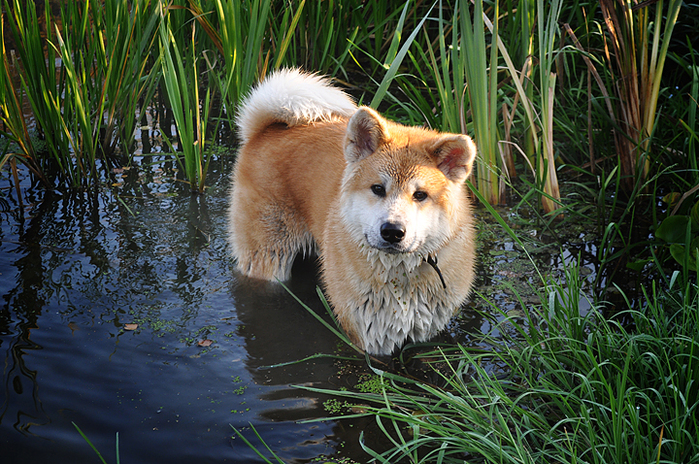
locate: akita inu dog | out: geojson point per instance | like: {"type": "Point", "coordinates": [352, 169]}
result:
{"type": "Point", "coordinates": [380, 202]}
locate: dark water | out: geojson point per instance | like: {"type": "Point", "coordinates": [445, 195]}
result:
{"type": "Point", "coordinates": [106, 299]}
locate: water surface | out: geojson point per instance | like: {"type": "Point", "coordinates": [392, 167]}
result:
{"type": "Point", "coordinates": [120, 312]}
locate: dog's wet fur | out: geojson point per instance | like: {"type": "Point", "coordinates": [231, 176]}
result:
{"type": "Point", "coordinates": [382, 204]}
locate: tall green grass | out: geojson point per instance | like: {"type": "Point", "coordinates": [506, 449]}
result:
{"type": "Point", "coordinates": [547, 30]}
{"type": "Point", "coordinates": [466, 60]}
{"type": "Point", "coordinates": [565, 386]}
{"type": "Point", "coordinates": [41, 83]}
{"type": "Point", "coordinates": [465, 66]}
{"type": "Point", "coordinates": [191, 112]}
{"type": "Point", "coordinates": [639, 47]}
{"type": "Point", "coordinates": [215, 55]}
{"type": "Point", "coordinates": [14, 123]}
{"type": "Point", "coordinates": [242, 32]}
{"type": "Point", "coordinates": [82, 74]}
{"type": "Point", "coordinates": [480, 69]}
{"type": "Point", "coordinates": [327, 31]}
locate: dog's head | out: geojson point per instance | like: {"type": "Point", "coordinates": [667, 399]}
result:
{"type": "Point", "coordinates": [403, 187]}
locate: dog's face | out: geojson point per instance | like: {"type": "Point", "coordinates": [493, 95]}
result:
{"type": "Point", "coordinates": [403, 187]}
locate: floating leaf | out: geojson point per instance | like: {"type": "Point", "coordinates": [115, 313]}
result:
{"type": "Point", "coordinates": [130, 326]}
{"type": "Point", "coordinates": [673, 229]}
{"type": "Point", "coordinates": [206, 342]}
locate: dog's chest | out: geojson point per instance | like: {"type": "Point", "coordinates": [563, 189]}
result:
{"type": "Point", "coordinates": [403, 300]}
{"type": "Point", "coordinates": [399, 283]}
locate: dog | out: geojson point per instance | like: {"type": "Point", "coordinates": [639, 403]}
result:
{"type": "Point", "coordinates": [384, 206]}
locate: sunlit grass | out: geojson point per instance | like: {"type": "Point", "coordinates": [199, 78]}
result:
{"type": "Point", "coordinates": [83, 74]}
{"type": "Point", "coordinates": [181, 77]}
{"type": "Point", "coordinates": [570, 386]}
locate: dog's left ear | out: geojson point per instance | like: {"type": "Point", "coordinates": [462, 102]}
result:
{"type": "Point", "coordinates": [454, 155]}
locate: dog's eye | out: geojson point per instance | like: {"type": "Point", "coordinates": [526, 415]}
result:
{"type": "Point", "coordinates": [379, 190]}
{"type": "Point", "coordinates": [420, 195]}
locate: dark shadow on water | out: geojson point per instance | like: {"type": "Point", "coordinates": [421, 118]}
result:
{"type": "Point", "coordinates": [119, 311]}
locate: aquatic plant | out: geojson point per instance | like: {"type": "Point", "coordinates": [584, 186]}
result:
{"type": "Point", "coordinates": [569, 386]}
{"type": "Point", "coordinates": [638, 55]}
{"type": "Point", "coordinates": [15, 125]}
{"type": "Point", "coordinates": [479, 66]}
{"type": "Point", "coordinates": [547, 29]}
{"type": "Point", "coordinates": [181, 77]}
{"type": "Point", "coordinates": [326, 32]}
{"type": "Point", "coordinates": [83, 76]}
{"type": "Point", "coordinates": [248, 49]}
{"type": "Point", "coordinates": [242, 30]}
{"type": "Point", "coordinates": [94, 448]}
{"type": "Point", "coordinates": [40, 82]}
{"type": "Point", "coordinates": [466, 61]}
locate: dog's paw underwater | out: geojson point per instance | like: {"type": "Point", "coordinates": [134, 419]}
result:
{"type": "Point", "coordinates": [384, 205]}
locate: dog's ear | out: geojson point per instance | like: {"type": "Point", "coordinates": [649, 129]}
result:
{"type": "Point", "coordinates": [366, 131]}
{"type": "Point", "coordinates": [454, 155]}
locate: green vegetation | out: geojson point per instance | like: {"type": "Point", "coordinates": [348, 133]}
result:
{"type": "Point", "coordinates": [89, 70]}
{"type": "Point", "coordinates": [99, 455]}
{"type": "Point", "coordinates": [576, 118]}
{"type": "Point", "coordinates": [570, 387]}
{"type": "Point", "coordinates": [83, 72]}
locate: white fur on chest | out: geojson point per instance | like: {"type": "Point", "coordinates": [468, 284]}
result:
{"type": "Point", "coordinates": [404, 299]}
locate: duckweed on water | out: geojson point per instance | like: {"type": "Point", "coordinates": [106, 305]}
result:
{"type": "Point", "coordinates": [335, 407]}
{"type": "Point", "coordinates": [371, 384]}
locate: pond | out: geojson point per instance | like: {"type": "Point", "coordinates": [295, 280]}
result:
{"type": "Point", "coordinates": [120, 312]}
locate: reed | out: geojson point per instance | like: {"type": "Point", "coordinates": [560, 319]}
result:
{"type": "Point", "coordinates": [251, 41]}
{"type": "Point", "coordinates": [465, 63]}
{"type": "Point", "coordinates": [124, 54]}
{"type": "Point", "coordinates": [82, 76]}
{"type": "Point", "coordinates": [242, 33]}
{"type": "Point", "coordinates": [14, 122]}
{"type": "Point", "coordinates": [639, 47]}
{"type": "Point", "coordinates": [40, 82]}
{"type": "Point", "coordinates": [547, 29]}
{"type": "Point", "coordinates": [396, 55]}
{"type": "Point", "coordinates": [180, 75]}
{"type": "Point", "coordinates": [248, 47]}
{"type": "Point", "coordinates": [462, 66]}
{"type": "Point", "coordinates": [326, 33]}
{"type": "Point", "coordinates": [480, 66]}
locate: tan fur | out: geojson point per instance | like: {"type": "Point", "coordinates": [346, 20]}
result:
{"type": "Point", "coordinates": [308, 187]}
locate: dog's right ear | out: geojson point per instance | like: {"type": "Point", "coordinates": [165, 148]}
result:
{"type": "Point", "coordinates": [366, 131]}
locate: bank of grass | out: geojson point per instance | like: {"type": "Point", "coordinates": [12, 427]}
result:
{"type": "Point", "coordinates": [568, 380]}
{"type": "Point", "coordinates": [568, 386]}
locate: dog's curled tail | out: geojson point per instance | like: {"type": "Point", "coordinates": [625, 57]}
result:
{"type": "Point", "coordinates": [293, 97]}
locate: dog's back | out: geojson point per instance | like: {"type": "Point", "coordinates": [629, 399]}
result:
{"type": "Point", "coordinates": [291, 97]}
{"type": "Point", "coordinates": [292, 129]}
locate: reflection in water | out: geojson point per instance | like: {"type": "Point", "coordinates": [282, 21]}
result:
{"type": "Point", "coordinates": [86, 264]}
{"type": "Point", "coordinates": [203, 349]}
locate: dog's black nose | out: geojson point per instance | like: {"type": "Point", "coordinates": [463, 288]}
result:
{"type": "Point", "coordinates": [392, 232]}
